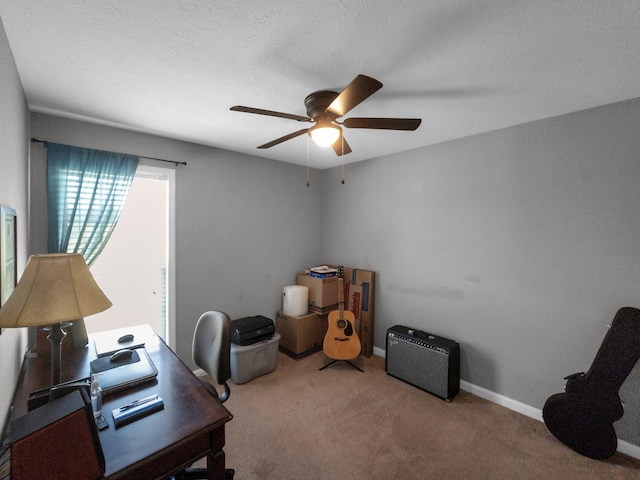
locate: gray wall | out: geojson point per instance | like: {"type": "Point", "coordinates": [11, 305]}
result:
{"type": "Point", "coordinates": [521, 244]}
{"type": "Point", "coordinates": [244, 225]}
{"type": "Point", "coordinates": [14, 162]}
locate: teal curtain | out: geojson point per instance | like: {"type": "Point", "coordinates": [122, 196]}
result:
{"type": "Point", "coordinates": [86, 190]}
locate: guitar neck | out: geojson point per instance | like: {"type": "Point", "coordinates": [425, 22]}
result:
{"type": "Point", "coordinates": [340, 299]}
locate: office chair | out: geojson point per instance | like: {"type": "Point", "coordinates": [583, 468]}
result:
{"type": "Point", "coordinates": [211, 351]}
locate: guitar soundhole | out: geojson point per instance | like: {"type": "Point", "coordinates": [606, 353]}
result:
{"type": "Point", "coordinates": [341, 323]}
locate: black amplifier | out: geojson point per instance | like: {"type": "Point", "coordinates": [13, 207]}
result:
{"type": "Point", "coordinates": [423, 360]}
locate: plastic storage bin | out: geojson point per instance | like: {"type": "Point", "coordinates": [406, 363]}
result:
{"type": "Point", "coordinates": [251, 361]}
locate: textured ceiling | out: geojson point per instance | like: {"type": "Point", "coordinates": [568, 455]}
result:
{"type": "Point", "coordinates": [174, 68]}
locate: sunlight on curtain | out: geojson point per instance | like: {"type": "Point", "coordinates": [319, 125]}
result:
{"type": "Point", "coordinates": [86, 190]}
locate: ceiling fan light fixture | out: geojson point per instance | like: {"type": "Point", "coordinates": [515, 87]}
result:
{"type": "Point", "coordinates": [324, 134]}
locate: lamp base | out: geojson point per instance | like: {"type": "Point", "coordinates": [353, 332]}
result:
{"type": "Point", "coordinates": [55, 337]}
{"type": "Point", "coordinates": [76, 338]}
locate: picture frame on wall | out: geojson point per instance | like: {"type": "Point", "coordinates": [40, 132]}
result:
{"type": "Point", "coordinates": [8, 253]}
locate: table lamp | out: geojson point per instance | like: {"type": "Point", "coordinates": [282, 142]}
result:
{"type": "Point", "coordinates": [54, 288]}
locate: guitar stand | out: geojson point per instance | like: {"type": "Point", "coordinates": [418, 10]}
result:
{"type": "Point", "coordinates": [334, 361]}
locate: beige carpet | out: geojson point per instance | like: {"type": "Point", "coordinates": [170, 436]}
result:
{"type": "Point", "coordinates": [301, 423]}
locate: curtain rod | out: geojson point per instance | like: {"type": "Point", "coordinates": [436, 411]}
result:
{"type": "Point", "coordinates": [35, 140]}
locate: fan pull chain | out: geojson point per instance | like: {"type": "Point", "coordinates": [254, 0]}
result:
{"type": "Point", "coordinates": [342, 157]}
{"type": "Point", "coordinates": [308, 139]}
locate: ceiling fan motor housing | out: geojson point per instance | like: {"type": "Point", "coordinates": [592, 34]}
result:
{"type": "Point", "coordinates": [317, 103]}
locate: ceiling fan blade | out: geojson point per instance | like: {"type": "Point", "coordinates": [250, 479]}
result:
{"type": "Point", "coordinates": [284, 139]}
{"type": "Point", "coordinates": [340, 146]}
{"type": "Point", "coordinates": [361, 88]}
{"type": "Point", "coordinates": [383, 123]}
{"type": "Point", "coordinates": [270, 113]}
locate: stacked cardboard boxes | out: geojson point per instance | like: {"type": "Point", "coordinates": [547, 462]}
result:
{"type": "Point", "coordinates": [359, 289]}
{"type": "Point", "coordinates": [359, 299]}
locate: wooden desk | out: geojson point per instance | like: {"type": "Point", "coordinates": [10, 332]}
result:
{"type": "Point", "coordinates": [190, 427]}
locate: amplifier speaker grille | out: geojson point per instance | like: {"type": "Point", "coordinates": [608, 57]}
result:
{"type": "Point", "coordinates": [423, 360]}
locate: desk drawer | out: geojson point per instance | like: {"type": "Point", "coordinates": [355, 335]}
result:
{"type": "Point", "coordinates": [183, 454]}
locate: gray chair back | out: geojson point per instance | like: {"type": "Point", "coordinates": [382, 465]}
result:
{"type": "Point", "coordinates": [211, 348]}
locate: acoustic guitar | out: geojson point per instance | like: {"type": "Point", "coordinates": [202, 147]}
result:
{"type": "Point", "coordinates": [341, 341]}
{"type": "Point", "coordinates": [582, 416]}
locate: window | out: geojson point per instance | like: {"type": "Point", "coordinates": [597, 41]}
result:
{"type": "Point", "coordinates": [135, 268]}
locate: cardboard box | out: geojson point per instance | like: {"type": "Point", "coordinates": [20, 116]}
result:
{"type": "Point", "coordinates": [301, 335]}
{"type": "Point", "coordinates": [359, 298]}
{"type": "Point", "coordinates": [353, 301]}
{"type": "Point", "coordinates": [323, 310]}
{"type": "Point", "coordinates": [323, 292]}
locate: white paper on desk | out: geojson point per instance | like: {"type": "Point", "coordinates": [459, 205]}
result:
{"type": "Point", "coordinates": [107, 342]}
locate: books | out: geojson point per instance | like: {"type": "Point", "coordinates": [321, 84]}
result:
{"type": "Point", "coordinates": [323, 272]}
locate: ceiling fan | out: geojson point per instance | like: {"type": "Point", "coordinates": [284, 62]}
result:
{"type": "Point", "coordinates": [324, 107]}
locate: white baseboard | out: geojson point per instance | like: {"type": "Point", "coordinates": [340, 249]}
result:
{"type": "Point", "coordinates": [629, 449]}
{"type": "Point", "coordinates": [535, 413]}
{"type": "Point", "coordinates": [507, 402]}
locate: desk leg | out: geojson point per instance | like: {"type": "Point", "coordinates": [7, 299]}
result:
{"type": "Point", "coordinates": [215, 465]}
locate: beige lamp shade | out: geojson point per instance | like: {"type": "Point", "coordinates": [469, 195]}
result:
{"type": "Point", "coordinates": [54, 288]}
